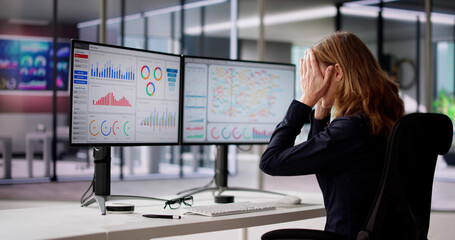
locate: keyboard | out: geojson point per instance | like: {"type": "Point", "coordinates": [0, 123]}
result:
{"type": "Point", "coordinates": [214, 210]}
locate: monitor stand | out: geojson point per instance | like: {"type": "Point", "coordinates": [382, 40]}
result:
{"type": "Point", "coordinates": [102, 181]}
{"type": "Point", "coordinates": [221, 179]}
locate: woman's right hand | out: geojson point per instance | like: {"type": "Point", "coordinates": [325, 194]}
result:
{"type": "Point", "coordinates": [314, 85]}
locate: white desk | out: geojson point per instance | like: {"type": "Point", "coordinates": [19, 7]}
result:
{"type": "Point", "coordinates": [75, 222]}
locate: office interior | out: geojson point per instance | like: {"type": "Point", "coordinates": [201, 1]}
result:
{"type": "Point", "coordinates": [413, 40]}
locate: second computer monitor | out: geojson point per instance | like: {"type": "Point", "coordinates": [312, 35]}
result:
{"type": "Point", "coordinates": [234, 102]}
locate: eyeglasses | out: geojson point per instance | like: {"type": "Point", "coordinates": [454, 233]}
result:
{"type": "Point", "coordinates": [176, 202]}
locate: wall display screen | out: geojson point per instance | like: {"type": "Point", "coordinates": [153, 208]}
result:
{"type": "Point", "coordinates": [27, 65]}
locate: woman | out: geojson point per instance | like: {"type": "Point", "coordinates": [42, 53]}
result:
{"type": "Point", "coordinates": [346, 154]}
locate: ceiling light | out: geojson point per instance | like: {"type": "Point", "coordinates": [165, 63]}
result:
{"type": "Point", "coordinates": [89, 23]}
{"type": "Point", "coordinates": [443, 18]}
{"type": "Point", "coordinates": [360, 11]}
{"type": "Point", "coordinates": [153, 12]}
{"type": "Point", "coordinates": [269, 20]}
{"type": "Point", "coordinates": [132, 17]}
{"type": "Point", "coordinates": [28, 21]}
{"type": "Point", "coordinates": [162, 11]}
{"type": "Point", "coordinates": [398, 14]}
{"type": "Point", "coordinates": [202, 3]}
{"type": "Point", "coordinates": [113, 20]}
{"type": "Point", "coordinates": [300, 15]}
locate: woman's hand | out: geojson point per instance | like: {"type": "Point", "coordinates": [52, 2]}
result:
{"type": "Point", "coordinates": [314, 85]}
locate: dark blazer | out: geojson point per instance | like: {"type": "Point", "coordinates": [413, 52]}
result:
{"type": "Point", "coordinates": [345, 157]}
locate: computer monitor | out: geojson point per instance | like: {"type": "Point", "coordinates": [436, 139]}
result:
{"type": "Point", "coordinates": [121, 97]}
{"type": "Point", "coordinates": [234, 102]}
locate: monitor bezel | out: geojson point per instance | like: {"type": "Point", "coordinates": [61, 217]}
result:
{"type": "Point", "coordinates": [182, 142]}
{"type": "Point", "coordinates": [72, 144]}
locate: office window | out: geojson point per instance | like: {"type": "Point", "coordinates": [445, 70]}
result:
{"type": "Point", "coordinates": [161, 31]}
{"type": "Point", "coordinates": [445, 67]}
{"type": "Point", "coordinates": [444, 101]}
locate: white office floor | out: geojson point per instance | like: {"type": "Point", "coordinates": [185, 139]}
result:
{"type": "Point", "coordinates": [63, 193]}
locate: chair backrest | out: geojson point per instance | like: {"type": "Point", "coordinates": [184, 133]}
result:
{"type": "Point", "coordinates": [403, 203]}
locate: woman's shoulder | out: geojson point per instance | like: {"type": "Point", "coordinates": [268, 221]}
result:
{"type": "Point", "coordinates": [358, 121]}
{"type": "Point", "coordinates": [358, 118]}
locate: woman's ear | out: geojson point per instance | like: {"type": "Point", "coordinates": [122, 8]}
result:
{"type": "Point", "coordinates": [338, 72]}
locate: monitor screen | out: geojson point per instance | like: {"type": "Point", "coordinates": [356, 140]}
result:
{"type": "Point", "coordinates": [234, 102]}
{"type": "Point", "coordinates": [123, 96]}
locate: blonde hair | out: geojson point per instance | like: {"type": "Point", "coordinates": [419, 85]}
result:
{"type": "Point", "coordinates": [365, 88]}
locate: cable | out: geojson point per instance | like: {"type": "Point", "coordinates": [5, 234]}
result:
{"type": "Point", "coordinates": [198, 188]}
{"type": "Point", "coordinates": [83, 198]}
{"type": "Point", "coordinates": [210, 183]}
{"type": "Point", "coordinates": [140, 197]}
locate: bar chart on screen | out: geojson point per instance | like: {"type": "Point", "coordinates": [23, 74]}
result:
{"type": "Point", "coordinates": [110, 98]}
{"type": "Point", "coordinates": [112, 67]}
{"type": "Point", "coordinates": [158, 122]}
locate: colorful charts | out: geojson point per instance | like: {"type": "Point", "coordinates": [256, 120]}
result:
{"type": "Point", "coordinates": [234, 101]}
{"type": "Point", "coordinates": [150, 89]}
{"type": "Point", "coordinates": [106, 130]}
{"type": "Point", "coordinates": [29, 63]}
{"type": "Point", "coordinates": [123, 96]}
{"type": "Point", "coordinates": [159, 79]}
{"type": "Point", "coordinates": [109, 100]}
{"type": "Point", "coordinates": [239, 94]}
{"type": "Point", "coordinates": [93, 128]}
{"type": "Point", "coordinates": [221, 132]}
{"type": "Point", "coordinates": [149, 85]}
{"type": "Point", "coordinates": [109, 128]}
{"type": "Point", "coordinates": [145, 72]}
{"type": "Point", "coordinates": [195, 102]}
{"type": "Point", "coordinates": [119, 99]}
{"type": "Point", "coordinates": [194, 128]}
{"type": "Point", "coordinates": [158, 73]}
{"type": "Point", "coordinates": [157, 121]}
{"type": "Point", "coordinates": [112, 67]}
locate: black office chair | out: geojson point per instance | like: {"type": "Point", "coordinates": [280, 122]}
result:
{"type": "Point", "coordinates": [402, 206]}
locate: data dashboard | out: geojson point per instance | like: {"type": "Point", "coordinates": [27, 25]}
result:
{"type": "Point", "coordinates": [227, 101]}
{"type": "Point", "coordinates": [123, 96]}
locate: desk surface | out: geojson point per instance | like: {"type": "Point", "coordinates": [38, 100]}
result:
{"type": "Point", "coordinates": [75, 222]}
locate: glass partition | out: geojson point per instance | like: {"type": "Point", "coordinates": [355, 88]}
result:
{"type": "Point", "coordinates": [290, 27]}
{"type": "Point", "coordinates": [26, 49]}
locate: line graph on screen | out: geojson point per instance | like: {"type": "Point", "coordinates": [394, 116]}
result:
{"type": "Point", "coordinates": [243, 94]}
